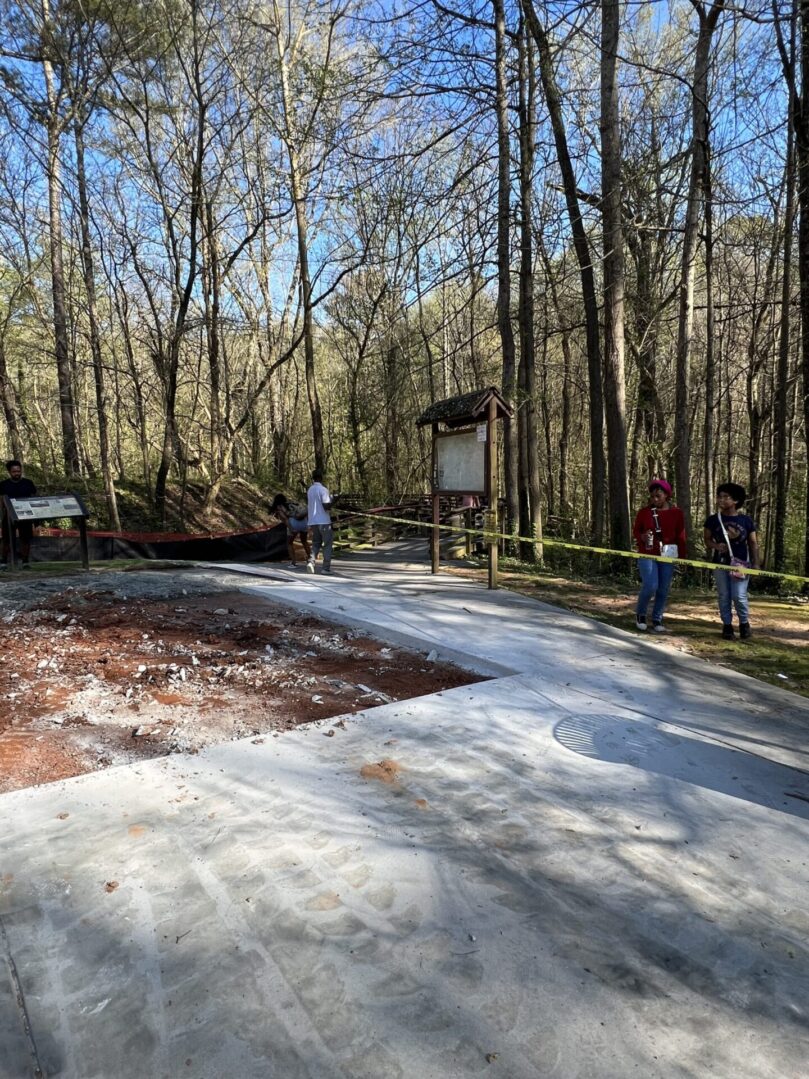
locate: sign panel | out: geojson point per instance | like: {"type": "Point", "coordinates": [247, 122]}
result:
{"type": "Point", "coordinates": [46, 507]}
{"type": "Point", "coordinates": [460, 463]}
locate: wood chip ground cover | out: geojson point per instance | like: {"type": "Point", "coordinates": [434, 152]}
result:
{"type": "Point", "coordinates": [96, 677]}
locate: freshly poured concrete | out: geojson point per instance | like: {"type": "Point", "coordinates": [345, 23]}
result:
{"type": "Point", "coordinates": [594, 864]}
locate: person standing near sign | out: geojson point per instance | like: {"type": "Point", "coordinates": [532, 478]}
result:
{"type": "Point", "coordinates": [319, 502]}
{"type": "Point", "coordinates": [16, 486]}
{"type": "Point", "coordinates": [659, 530]}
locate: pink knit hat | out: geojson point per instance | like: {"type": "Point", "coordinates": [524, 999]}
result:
{"type": "Point", "coordinates": [662, 484]}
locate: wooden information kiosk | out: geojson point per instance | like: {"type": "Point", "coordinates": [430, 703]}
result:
{"type": "Point", "coordinates": [464, 460]}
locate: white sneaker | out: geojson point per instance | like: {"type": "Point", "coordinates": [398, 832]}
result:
{"type": "Point", "coordinates": [310, 567]}
{"type": "Point", "coordinates": [640, 621]}
{"type": "Point", "coordinates": [658, 627]}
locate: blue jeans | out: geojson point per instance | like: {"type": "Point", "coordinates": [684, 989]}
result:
{"type": "Point", "coordinates": [731, 592]}
{"type": "Point", "coordinates": [655, 580]}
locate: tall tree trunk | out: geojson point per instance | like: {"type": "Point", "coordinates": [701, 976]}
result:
{"type": "Point", "coordinates": [142, 426]}
{"type": "Point", "coordinates": [699, 149]}
{"type": "Point", "coordinates": [95, 337]}
{"type": "Point", "coordinates": [8, 398]}
{"type": "Point", "coordinates": [70, 449]}
{"type": "Point", "coordinates": [567, 367]}
{"type": "Point", "coordinates": [710, 361]}
{"type": "Point", "coordinates": [581, 246]}
{"type": "Point", "coordinates": [802, 149]}
{"type": "Point", "coordinates": [510, 430]}
{"type": "Point", "coordinates": [355, 431]}
{"type": "Point", "coordinates": [297, 190]}
{"type": "Point", "coordinates": [212, 286]}
{"type": "Point", "coordinates": [780, 455]}
{"type": "Point", "coordinates": [315, 410]}
{"type": "Point", "coordinates": [614, 378]}
{"type": "Point", "coordinates": [170, 437]}
{"type": "Point", "coordinates": [530, 485]}
{"type": "Point", "coordinates": [169, 361]}
{"type": "Point", "coordinates": [392, 423]}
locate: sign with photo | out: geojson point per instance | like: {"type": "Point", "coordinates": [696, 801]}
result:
{"type": "Point", "coordinates": [44, 508]}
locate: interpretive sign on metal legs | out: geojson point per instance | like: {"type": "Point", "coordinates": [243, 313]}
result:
{"type": "Point", "coordinates": [25, 511]}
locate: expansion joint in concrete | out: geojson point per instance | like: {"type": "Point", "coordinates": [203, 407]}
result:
{"type": "Point", "coordinates": [19, 998]}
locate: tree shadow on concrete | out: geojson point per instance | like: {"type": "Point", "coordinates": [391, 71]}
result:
{"type": "Point", "coordinates": [617, 740]}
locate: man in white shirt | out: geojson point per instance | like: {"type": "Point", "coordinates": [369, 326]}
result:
{"type": "Point", "coordinates": [319, 503]}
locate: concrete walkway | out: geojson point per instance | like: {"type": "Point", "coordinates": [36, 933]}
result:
{"type": "Point", "coordinates": [592, 864]}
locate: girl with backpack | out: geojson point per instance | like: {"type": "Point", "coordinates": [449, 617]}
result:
{"type": "Point", "coordinates": [296, 522]}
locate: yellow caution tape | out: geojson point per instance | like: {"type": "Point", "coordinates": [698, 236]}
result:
{"type": "Point", "coordinates": [492, 536]}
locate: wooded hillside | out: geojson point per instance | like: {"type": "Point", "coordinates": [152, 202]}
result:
{"type": "Point", "coordinates": [247, 238]}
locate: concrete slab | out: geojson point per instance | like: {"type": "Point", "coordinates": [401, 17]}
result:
{"type": "Point", "coordinates": [594, 864]}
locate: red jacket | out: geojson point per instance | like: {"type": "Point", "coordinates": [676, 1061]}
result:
{"type": "Point", "coordinates": [672, 530]}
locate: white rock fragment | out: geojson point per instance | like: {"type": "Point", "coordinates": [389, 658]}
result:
{"type": "Point", "coordinates": [432, 656]}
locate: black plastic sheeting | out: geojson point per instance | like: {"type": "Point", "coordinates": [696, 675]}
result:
{"type": "Point", "coordinates": [263, 545]}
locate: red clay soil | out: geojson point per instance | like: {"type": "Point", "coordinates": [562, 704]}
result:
{"type": "Point", "coordinates": [90, 679]}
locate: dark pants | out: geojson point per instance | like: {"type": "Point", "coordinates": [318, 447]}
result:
{"type": "Point", "coordinates": [25, 532]}
{"type": "Point", "coordinates": [321, 537]}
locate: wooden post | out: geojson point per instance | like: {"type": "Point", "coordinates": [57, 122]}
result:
{"type": "Point", "coordinates": [491, 491]}
{"type": "Point", "coordinates": [435, 535]}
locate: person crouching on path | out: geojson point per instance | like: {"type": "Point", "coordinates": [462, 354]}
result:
{"type": "Point", "coordinates": [730, 537]}
{"type": "Point", "coordinates": [318, 502]}
{"type": "Point", "coordinates": [16, 486]}
{"type": "Point", "coordinates": [659, 530]}
{"type": "Point", "coordinates": [296, 523]}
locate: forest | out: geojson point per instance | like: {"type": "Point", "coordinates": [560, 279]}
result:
{"type": "Point", "coordinates": [244, 238]}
